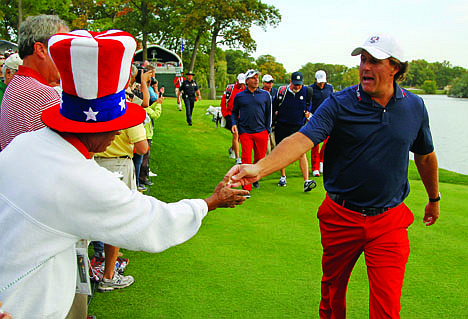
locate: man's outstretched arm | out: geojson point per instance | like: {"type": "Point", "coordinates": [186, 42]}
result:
{"type": "Point", "coordinates": [288, 151]}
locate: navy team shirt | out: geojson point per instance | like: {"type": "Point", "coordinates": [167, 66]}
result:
{"type": "Point", "coordinates": [319, 95]}
{"type": "Point", "coordinates": [251, 111]}
{"type": "Point", "coordinates": [292, 110]}
{"type": "Point", "coordinates": [367, 154]}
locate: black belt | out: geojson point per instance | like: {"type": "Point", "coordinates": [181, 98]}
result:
{"type": "Point", "coordinates": [365, 211]}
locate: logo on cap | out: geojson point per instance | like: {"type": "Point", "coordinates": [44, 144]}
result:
{"type": "Point", "coordinates": [374, 39]}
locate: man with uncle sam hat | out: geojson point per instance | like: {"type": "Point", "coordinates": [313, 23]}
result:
{"type": "Point", "coordinates": [372, 127]}
{"type": "Point", "coordinates": [52, 193]}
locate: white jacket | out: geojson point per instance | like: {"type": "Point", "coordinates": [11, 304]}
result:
{"type": "Point", "coordinates": [50, 197]}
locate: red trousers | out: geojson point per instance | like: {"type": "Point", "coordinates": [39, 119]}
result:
{"type": "Point", "coordinates": [384, 241]}
{"type": "Point", "coordinates": [316, 157]}
{"type": "Point", "coordinates": [256, 141]}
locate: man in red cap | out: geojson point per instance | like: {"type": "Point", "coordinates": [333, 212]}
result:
{"type": "Point", "coordinates": [57, 194]}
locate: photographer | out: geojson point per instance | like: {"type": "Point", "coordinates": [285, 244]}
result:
{"type": "Point", "coordinates": [139, 83]}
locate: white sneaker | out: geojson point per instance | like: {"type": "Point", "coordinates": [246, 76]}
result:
{"type": "Point", "coordinates": [231, 153]}
{"type": "Point", "coordinates": [238, 161]}
{"type": "Point", "coordinates": [117, 282]}
{"type": "Point", "coordinates": [316, 173]}
{"type": "Point", "coordinates": [321, 168]}
{"type": "Point", "coordinates": [151, 174]}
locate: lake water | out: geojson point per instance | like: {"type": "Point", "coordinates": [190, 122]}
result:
{"type": "Point", "coordinates": [448, 118]}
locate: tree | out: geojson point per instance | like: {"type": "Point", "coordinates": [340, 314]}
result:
{"type": "Point", "coordinates": [350, 77]}
{"type": "Point", "coordinates": [337, 74]}
{"type": "Point", "coordinates": [267, 64]}
{"type": "Point", "coordinates": [429, 86]}
{"type": "Point", "coordinates": [459, 87]}
{"type": "Point", "coordinates": [419, 72]}
{"type": "Point", "coordinates": [13, 12]}
{"type": "Point", "coordinates": [229, 23]}
{"type": "Point", "coordinates": [443, 73]}
{"type": "Point", "coordinates": [238, 61]}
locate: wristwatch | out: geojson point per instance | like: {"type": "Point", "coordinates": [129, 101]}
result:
{"type": "Point", "coordinates": [433, 200]}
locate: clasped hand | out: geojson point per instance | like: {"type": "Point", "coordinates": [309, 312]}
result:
{"type": "Point", "coordinates": [226, 196]}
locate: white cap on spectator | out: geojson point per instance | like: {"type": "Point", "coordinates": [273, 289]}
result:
{"type": "Point", "coordinates": [13, 62]}
{"type": "Point", "coordinates": [241, 78]}
{"type": "Point", "coordinates": [267, 78]}
{"type": "Point", "coordinates": [381, 46]}
{"type": "Point", "coordinates": [321, 76]}
{"type": "Point", "coordinates": [251, 73]}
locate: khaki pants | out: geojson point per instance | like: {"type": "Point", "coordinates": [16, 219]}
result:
{"type": "Point", "coordinates": [123, 166]}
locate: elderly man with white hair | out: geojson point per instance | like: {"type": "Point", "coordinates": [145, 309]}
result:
{"type": "Point", "coordinates": [9, 69]}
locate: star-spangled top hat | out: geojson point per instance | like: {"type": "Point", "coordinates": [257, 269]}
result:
{"type": "Point", "coordinates": [95, 69]}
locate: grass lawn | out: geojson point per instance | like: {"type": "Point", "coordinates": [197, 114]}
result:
{"type": "Point", "coordinates": [263, 259]}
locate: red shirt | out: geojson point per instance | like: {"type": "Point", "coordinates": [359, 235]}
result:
{"type": "Point", "coordinates": [26, 96]}
{"type": "Point", "coordinates": [178, 81]}
{"type": "Point", "coordinates": [236, 89]}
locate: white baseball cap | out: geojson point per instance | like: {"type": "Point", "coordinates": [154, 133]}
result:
{"type": "Point", "coordinates": [267, 78]}
{"type": "Point", "coordinates": [321, 76]}
{"type": "Point", "coordinates": [241, 78]}
{"type": "Point", "coordinates": [251, 73]}
{"type": "Point", "coordinates": [13, 61]}
{"type": "Point", "coordinates": [381, 46]}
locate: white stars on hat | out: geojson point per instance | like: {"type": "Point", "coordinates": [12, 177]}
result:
{"type": "Point", "coordinates": [90, 115]}
{"type": "Point", "coordinates": [122, 104]}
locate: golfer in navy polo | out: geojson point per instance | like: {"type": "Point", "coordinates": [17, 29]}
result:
{"type": "Point", "coordinates": [251, 119]}
{"type": "Point", "coordinates": [372, 127]}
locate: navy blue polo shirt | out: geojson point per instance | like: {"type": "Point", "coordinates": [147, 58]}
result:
{"type": "Point", "coordinates": [292, 110]}
{"type": "Point", "coordinates": [251, 111]}
{"type": "Point", "coordinates": [367, 154]}
{"type": "Point", "coordinates": [319, 95]}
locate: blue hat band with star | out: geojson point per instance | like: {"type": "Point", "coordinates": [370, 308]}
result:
{"type": "Point", "coordinates": [103, 109]}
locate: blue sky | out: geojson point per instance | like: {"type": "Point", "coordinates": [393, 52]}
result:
{"type": "Point", "coordinates": [327, 31]}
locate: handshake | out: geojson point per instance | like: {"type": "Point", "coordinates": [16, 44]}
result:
{"type": "Point", "coordinates": [225, 195]}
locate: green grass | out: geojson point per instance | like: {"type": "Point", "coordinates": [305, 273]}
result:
{"type": "Point", "coordinates": [263, 259]}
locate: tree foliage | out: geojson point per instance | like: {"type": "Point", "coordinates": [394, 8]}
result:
{"type": "Point", "coordinates": [238, 61]}
{"type": "Point", "coordinates": [441, 72]}
{"type": "Point", "coordinates": [230, 22]}
{"type": "Point", "coordinates": [267, 64]}
{"type": "Point", "coordinates": [339, 76]}
{"type": "Point", "coordinates": [205, 25]}
{"type": "Point", "coordinates": [429, 86]}
{"type": "Point", "coordinates": [459, 86]}
{"type": "Point", "coordinates": [10, 18]}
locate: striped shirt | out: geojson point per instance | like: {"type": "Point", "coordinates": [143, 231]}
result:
{"type": "Point", "coordinates": [26, 96]}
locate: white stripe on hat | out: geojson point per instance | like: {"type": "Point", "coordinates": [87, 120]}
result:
{"type": "Point", "coordinates": [130, 46]}
{"type": "Point", "coordinates": [85, 58]}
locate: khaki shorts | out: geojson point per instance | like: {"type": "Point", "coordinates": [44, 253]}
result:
{"type": "Point", "coordinates": [123, 166]}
